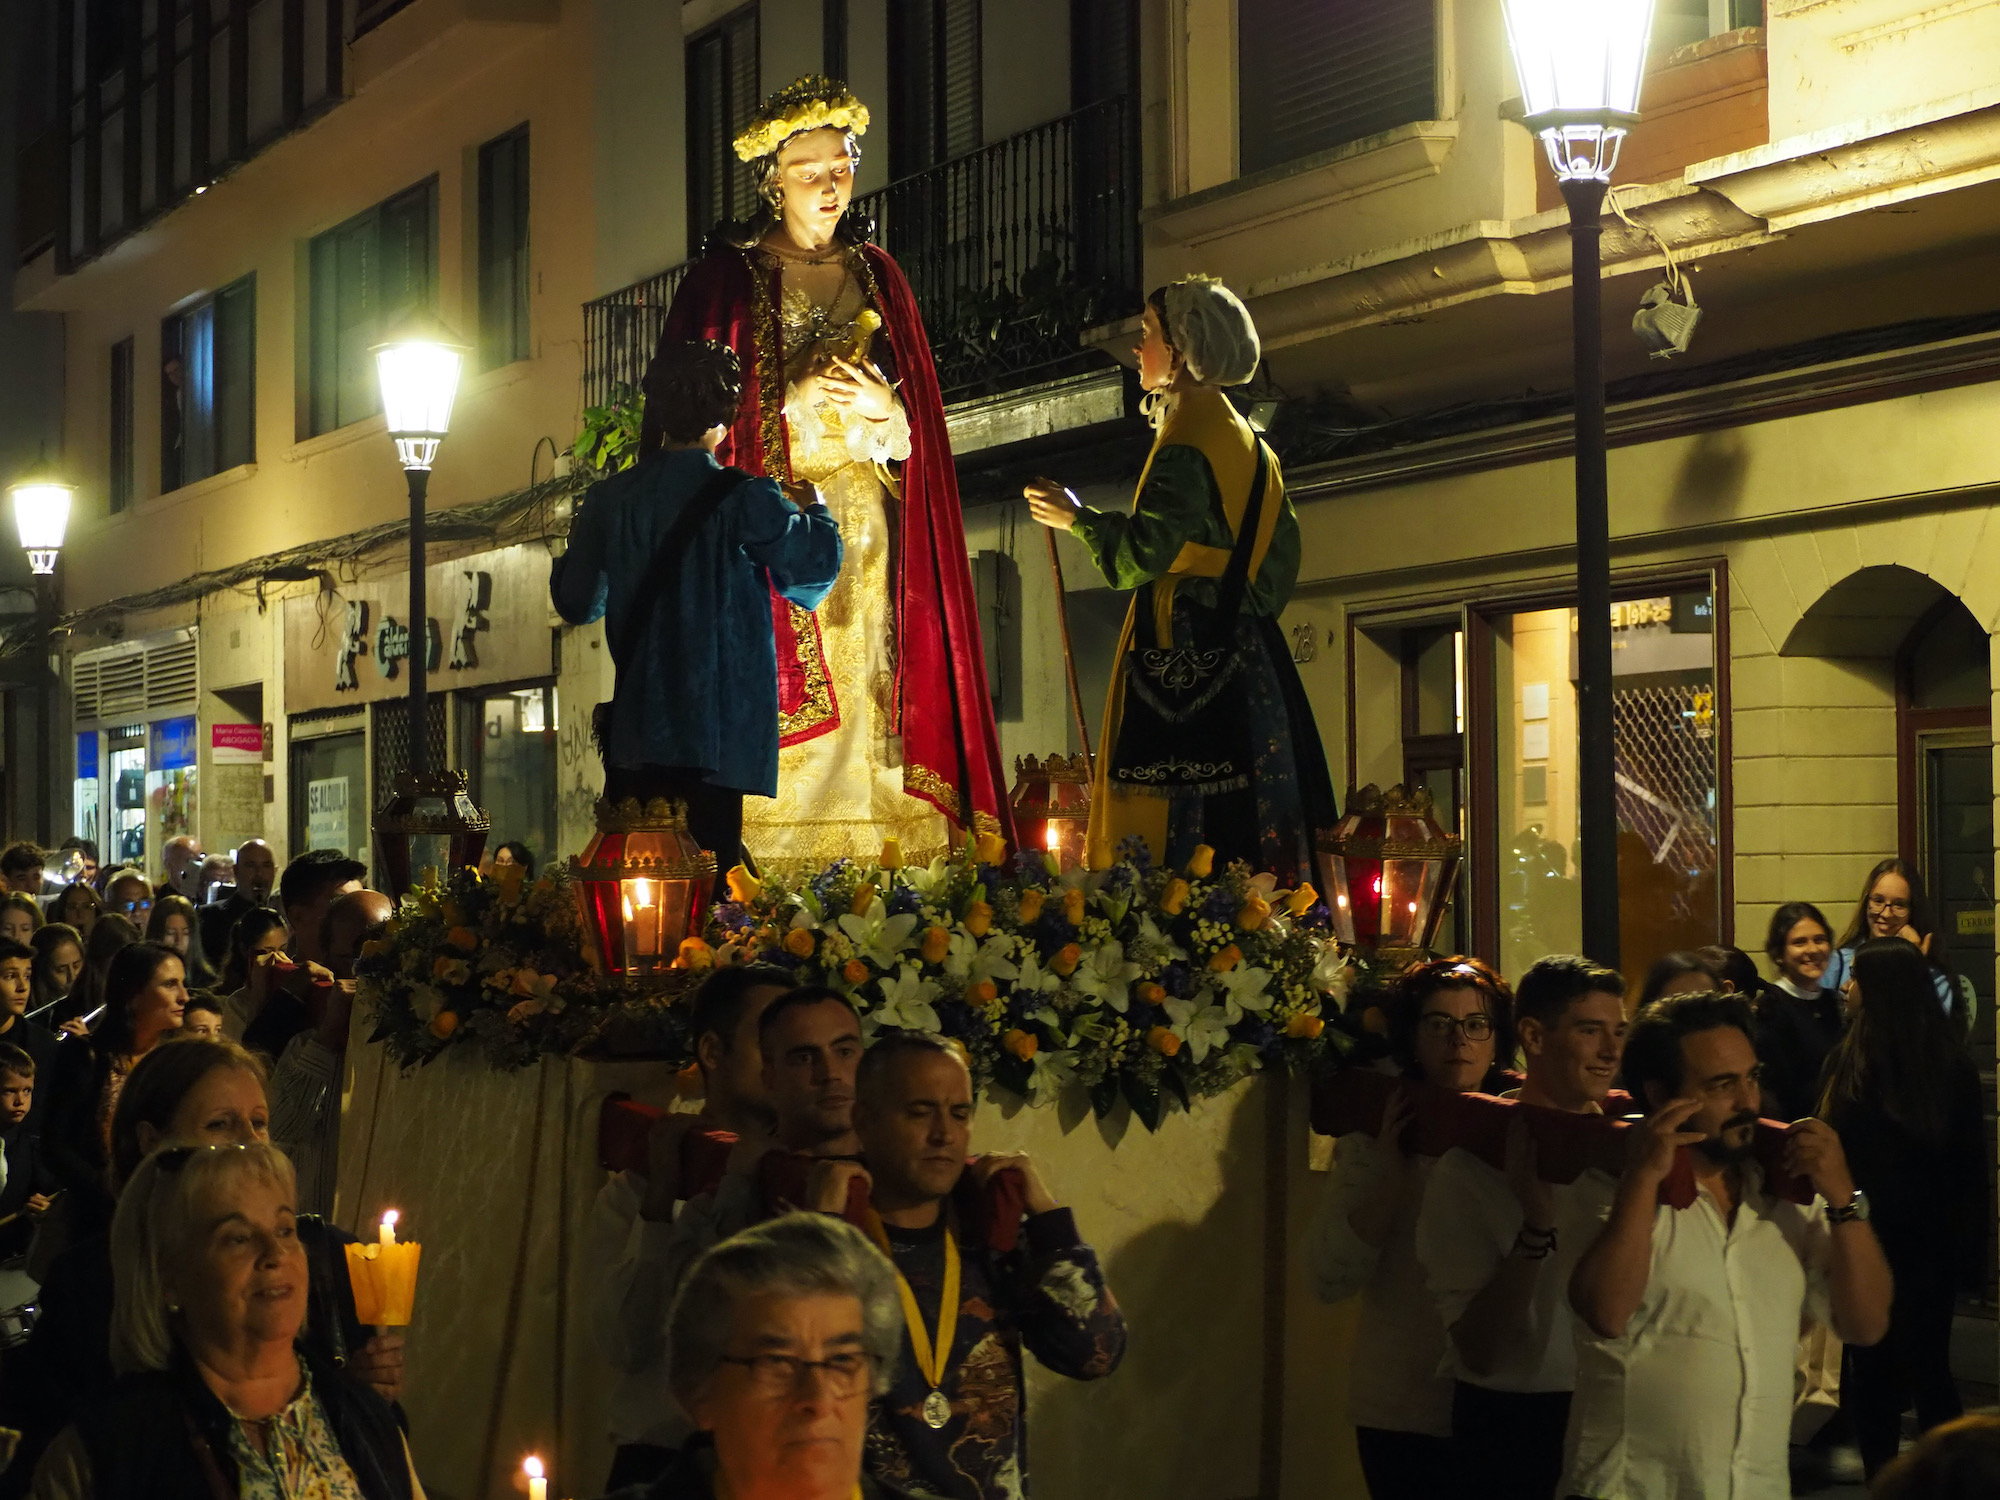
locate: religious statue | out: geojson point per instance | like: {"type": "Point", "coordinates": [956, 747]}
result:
{"type": "Point", "coordinates": [886, 725]}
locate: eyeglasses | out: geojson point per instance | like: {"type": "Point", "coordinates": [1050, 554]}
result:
{"type": "Point", "coordinates": [781, 1374]}
{"type": "Point", "coordinates": [1886, 906]}
{"type": "Point", "coordinates": [1477, 1028]}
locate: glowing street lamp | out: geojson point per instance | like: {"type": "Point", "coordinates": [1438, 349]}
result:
{"type": "Point", "coordinates": [1580, 63]}
{"type": "Point", "coordinates": [41, 517]}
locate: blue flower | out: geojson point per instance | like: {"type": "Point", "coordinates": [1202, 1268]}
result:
{"type": "Point", "coordinates": [1175, 979]}
{"type": "Point", "coordinates": [1219, 905]}
{"type": "Point", "coordinates": [903, 901]}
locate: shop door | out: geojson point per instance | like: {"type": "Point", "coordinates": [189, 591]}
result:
{"type": "Point", "coordinates": [1955, 770]}
{"type": "Point", "coordinates": [330, 794]}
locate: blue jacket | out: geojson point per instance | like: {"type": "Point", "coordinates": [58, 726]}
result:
{"type": "Point", "coordinates": [703, 689]}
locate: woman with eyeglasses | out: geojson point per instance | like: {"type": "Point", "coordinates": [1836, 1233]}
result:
{"type": "Point", "coordinates": [79, 905]}
{"type": "Point", "coordinates": [1893, 904]}
{"type": "Point", "coordinates": [217, 1396]}
{"type": "Point", "coordinates": [1451, 1026]}
{"type": "Point", "coordinates": [1905, 1098]}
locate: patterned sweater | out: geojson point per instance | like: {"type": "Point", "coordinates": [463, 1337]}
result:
{"type": "Point", "coordinates": [1047, 1295]}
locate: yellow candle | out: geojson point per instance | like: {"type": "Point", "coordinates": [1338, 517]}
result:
{"type": "Point", "coordinates": [388, 1234]}
{"type": "Point", "coordinates": [384, 1277]}
{"type": "Point", "coordinates": [538, 1485]}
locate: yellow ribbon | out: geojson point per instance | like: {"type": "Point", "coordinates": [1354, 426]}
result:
{"type": "Point", "coordinates": [931, 1358]}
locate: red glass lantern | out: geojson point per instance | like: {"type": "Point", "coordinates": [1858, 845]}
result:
{"type": "Point", "coordinates": [428, 827]}
{"type": "Point", "coordinates": [1388, 869]}
{"type": "Point", "coordinates": [641, 884]}
{"type": "Point", "coordinates": [1051, 801]}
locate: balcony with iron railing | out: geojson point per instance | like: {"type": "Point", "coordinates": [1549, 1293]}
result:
{"type": "Point", "coordinates": [1012, 250]}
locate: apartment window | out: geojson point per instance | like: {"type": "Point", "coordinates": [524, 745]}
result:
{"type": "Point", "coordinates": [503, 249]}
{"type": "Point", "coordinates": [1316, 74]}
{"type": "Point", "coordinates": [934, 60]}
{"type": "Point", "coordinates": [367, 273]}
{"type": "Point", "coordinates": [122, 467]}
{"type": "Point", "coordinates": [833, 38]}
{"type": "Point", "coordinates": [722, 96]}
{"type": "Point", "coordinates": [207, 400]}
{"type": "Point", "coordinates": [1681, 23]}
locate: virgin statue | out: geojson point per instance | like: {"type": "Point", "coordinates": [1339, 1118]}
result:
{"type": "Point", "coordinates": [886, 726]}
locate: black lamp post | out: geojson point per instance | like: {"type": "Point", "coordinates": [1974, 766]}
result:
{"type": "Point", "coordinates": [41, 520]}
{"type": "Point", "coordinates": [1580, 63]}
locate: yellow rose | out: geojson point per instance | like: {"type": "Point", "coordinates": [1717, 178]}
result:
{"type": "Point", "coordinates": [799, 942]}
{"type": "Point", "coordinates": [462, 938]}
{"type": "Point", "coordinates": [1203, 863]}
{"type": "Point", "coordinates": [743, 886]}
{"type": "Point", "coordinates": [864, 897]}
{"type": "Point", "coordinates": [1301, 899]}
{"type": "Point", "coordinates": [1304, 1025]}
{"type": "Point", "coordinates": [1254, 913]}
{"type": "Point", "coordinates": [1031, 906]}
{"type": "Point", "coordinates": [1073, 906]}
{"type": "Point", "coordinates": [982, 992]}
{"type": "Point", "coordinates": [1227, 959]}
{"type": "Point", "coordinates": [1163, 1041]}
{"type": "Point", "coordinates": [1174, 898]}
{"type": "Point", "coordinates": [443, 1024]}
{"type": "Point", "coordinates": [1066, 959]}
{"type": "Point", "coordinates": [991, 849]}
{"type": "Point", "coordinates": [936, 944]}
{"type": "Point", "coordinates": [892, 854]}
{"type": "Point", "coordinates": [694, 954]}
{"type": "Point", "coordinates": [1021, 1043]}
{"type": "Point", "coordinates": [979, 919]}
{"type": "Point", "coordinates": [854, 971]}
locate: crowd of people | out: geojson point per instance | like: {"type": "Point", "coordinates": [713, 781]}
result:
{"type": "Point", "coordinates": [1602, 1335]}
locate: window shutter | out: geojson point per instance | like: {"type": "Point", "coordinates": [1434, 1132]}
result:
{"type": "Point", "coordinates": [721, 97]}
{"type": "Point", "coordinates": [741, 31]}
{"type": "Point", "coordinates": [960, 127]}
{"type": "Point", "coordinates": [1319, 73]}
{"type": "Point", "coordinates": [235, 374]}
{"type": "Point", "coordinates": [122, 468]}
{"type": "Point", "coordinates": [503, 249]}
{"type": "Point", "coordinates": [935, 59]}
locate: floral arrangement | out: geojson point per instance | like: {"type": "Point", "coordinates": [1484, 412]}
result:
{"type": "Point", "coordinates": [1138, 983]}
{"type": "Point", "coordinates": [810, 103]}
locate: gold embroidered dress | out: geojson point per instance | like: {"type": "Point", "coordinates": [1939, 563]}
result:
{"type": "Point", "coordinates": [842, 792]}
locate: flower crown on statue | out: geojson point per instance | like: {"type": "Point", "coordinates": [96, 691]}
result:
{"type": "Point", "coordinates": [810, 103]}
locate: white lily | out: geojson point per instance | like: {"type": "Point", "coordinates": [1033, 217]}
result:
{"type": "Point", "coordinates": [426, 1000]}
{"type": "Point", "coordinates": [1151, 940]}
{"type": "Point", "coordinates": [1105, 975]}
{"type": "Point", "coordinates": [924, 881]}
{"type": "Point", "coordinates": [1333, 974]}
{"type": "Point", "coordinates": [973, 959]}
{"type": "Point", "coordinates": [1052, 1072]}
{"type": "Point", "coordinates": [1246, 987]}
{"type": "Point", "coordinates": [906, 1002]}
{"type": "Point", "coordinates": [1031, 978]}
{"type": "Point", "coordinates": [879, 936]}
{"type": "Point", "coordinates": [1199, 1024]}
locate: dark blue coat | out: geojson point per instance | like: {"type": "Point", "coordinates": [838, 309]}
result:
{"type": "Point", "coordinates": [703, 689]}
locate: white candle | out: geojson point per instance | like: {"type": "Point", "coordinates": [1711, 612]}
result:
{"type": "Point", "coordinates": [388, 1235]}
{"type": "Point", "coordinates": [538, 1485]}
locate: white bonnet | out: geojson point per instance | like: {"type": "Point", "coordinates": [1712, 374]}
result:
{"type": "Point", "coordinates": [1211, 328]}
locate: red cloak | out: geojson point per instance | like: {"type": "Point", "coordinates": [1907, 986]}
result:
{"type": "Point", "coordinates": [951, 752]}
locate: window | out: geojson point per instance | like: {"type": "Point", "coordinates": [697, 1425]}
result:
{"type": "Point", "coordinates": [122, 465]}
{"type": "Point", "coordinates": [934, 62]}
{"type": "Point", "coordinates": [1316, 74]}
{"type": "Point", "coordinates": [722, 96]}
{"type": "Point", "coordinates": [1680, 23]}
{"type": "Point", "coordinates": [503, 249]}
{"type": "Point", "coordinates": [507, 740]}
{"type": "Point", "coordinates": [207, 399]}
{"type": "Point", "coordinates": [377, 267]}
{"type": "Point", "coordinates": [833, 38]}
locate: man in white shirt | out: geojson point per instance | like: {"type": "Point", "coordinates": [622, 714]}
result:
{"type": "Point", "coordinates": [1497, 1248]}
{"type": "Point", "coordinates": [1690, 1317]}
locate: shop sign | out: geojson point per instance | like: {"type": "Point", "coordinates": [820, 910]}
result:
{"type": "Point", "coordinates": [86, 755]}
{"type": "Point", "coordinates": [170, 746]}
{"type": "Point", "coordinates": [236, 744]}
{"type": "Point", "coordinates": [326, 813]}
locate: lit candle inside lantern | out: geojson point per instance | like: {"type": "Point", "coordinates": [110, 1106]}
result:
{"type": "Point", "coordinates": [538, 1484]}
{"type": "Point", "coordinates": [646, 919]}
{"type": "Point", "coordinates": [388, 1234]}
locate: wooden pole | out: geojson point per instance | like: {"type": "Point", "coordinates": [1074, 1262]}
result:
{"type": "Point", "coordinates": [1069, 652]}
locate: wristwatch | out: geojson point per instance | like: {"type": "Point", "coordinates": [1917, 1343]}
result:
{"type": "Point", "coordinates": [1857, 1209]}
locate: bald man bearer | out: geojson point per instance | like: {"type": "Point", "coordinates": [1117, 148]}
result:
{"type": "Point", "coordinates": [953, 1423]}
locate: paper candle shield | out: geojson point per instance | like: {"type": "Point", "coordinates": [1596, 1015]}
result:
{"type": "Point", "coordinates": [384, 1278]}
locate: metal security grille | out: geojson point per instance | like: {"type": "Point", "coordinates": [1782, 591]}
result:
{"type": "Point", "coordinates": [1665, 734]}
{"type": "Point", "coordinates": [391, 755]}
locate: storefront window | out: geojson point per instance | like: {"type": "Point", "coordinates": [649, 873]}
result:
{"type": "Point", "coordinates": [170, 780]}
{"type": "Point", "coordinates": [509, 741]}
{"type": "Point", "coordinates": [329, 776]}
{"type": "Point", "coordinates": [1665, 715]}
{"type": "Point", "coordinates": [85, 808]}
{"type": "Point", "coordinates": [127, 831]}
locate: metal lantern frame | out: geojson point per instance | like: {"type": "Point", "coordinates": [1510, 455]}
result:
{"type": "Point", "coordinates": [1389, 869]}
{"type": "Point", "coordinates": [1051, 803]}
{"type": "Point", "coordinates": [427, 812]}
{"type": "Point", "coordinates": [642, 884]}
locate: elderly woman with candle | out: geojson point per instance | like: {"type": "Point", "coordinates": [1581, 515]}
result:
{"type": "Point", "coordinates": [780, 1336]}
{"type": "Point", "coordinates": [217, 1397]}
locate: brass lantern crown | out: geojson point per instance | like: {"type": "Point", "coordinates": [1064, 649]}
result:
{"type": "Point", "coordinates": [1389, 869]}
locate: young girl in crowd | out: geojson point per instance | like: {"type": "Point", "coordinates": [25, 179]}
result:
{"type": "Point", "coordinates": [79, 906]}
{"type": "Point", "coordinates": [1905, 1098]}
{"type": "Point", "coordinates": [175, 924]}
{"type": "Point", "coordinates": [20, 917]}
{"type": "Point", "coordinates": [1798, 1017]}
{"type": "Point", "coordinates": [111, 936]}
{"type": "Point", "coordinates": [1451, 1025]}
{"type": "Point", "coordinates": [1893, 904]}
{"type": "Point", "coordinates": [58, 966]}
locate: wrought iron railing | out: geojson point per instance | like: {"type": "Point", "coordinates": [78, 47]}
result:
{"type": "Point", "coordinates": [1013, 251]}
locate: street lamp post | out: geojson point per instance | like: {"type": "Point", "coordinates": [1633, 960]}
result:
{"type": "Point", "coordinates": [1580, 63]}
{"type": "Point", "coordinates": [41, 520]}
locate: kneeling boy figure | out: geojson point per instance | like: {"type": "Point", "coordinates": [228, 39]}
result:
{"type": "Point", "coordinates": [679, 557]}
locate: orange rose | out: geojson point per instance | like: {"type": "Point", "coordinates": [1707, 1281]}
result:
{"type": "Point", "coordinates": [1301, 899]}
{"type": "Point", "coordinates": [1163, 1041]}
{"type": "Point", "coordinates": [1374, 1021]}
{"type": "Point", "coordinates": [864, 897]}
{"type": "Point", "coordinates": [462, 938]}
{"type": "Point", "coordinates": [936, 944]}
{"type": "Point", "coordinates": [1304, 1025]}
{"type": "Point", "coordinates": [1254, 913]}
{"type": "Point", "coordinates": [694, 954]}
{"type": "Point", "coordinates": [1152, 994]}
{"type": "Point", "coordinates": [799, 942]}
{"type": "Point", "coordinates": [982, 992]}
{"type": "Point", "coordinates": [1031, 906]}
{"type": "Point", "coordinates": [1066, 959]}
{"type": "Point", "coordinates": [1021, 1043]}
{"type": "Point", "coordinates": [854, 971]}
{"type": "Point", "coordinates": [1073, 906]}
{"type": "Point", "coordinates": [1174, 898]}
{"type": "Point", "coordinates": [991, 849]}
{"type": "Point", "coordinates": [689, 1081]}
{"type": "Point", "coordinates": [978, 919]}
{"type": "Point", "coordinates": [444, 1023]}
{"type": "Point", "coordinates": [1203, 863]}
{"type": "Point", "coordinates": [1227, 959]}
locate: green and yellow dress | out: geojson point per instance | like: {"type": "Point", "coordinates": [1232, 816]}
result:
{"type": "Point", "coordinates": [1192, 497]}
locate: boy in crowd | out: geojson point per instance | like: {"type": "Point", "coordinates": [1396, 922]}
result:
{"type": "Point", "coordinates": [1497, 1247]}
{"type": "Point", "coordinates": [17, 966]}
{"type": "Point", "coordinates": [202, 1016]}
{"type": "Point", "coordinates": [29, 1185]}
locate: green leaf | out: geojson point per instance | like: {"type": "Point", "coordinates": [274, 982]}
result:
{"type": "Point", "coordinates": [1178, 1085]}
{"type": "Point", "coordinates": [1144, 1098]}
{"type": "Point", "coordinates": [1104, 1095]}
